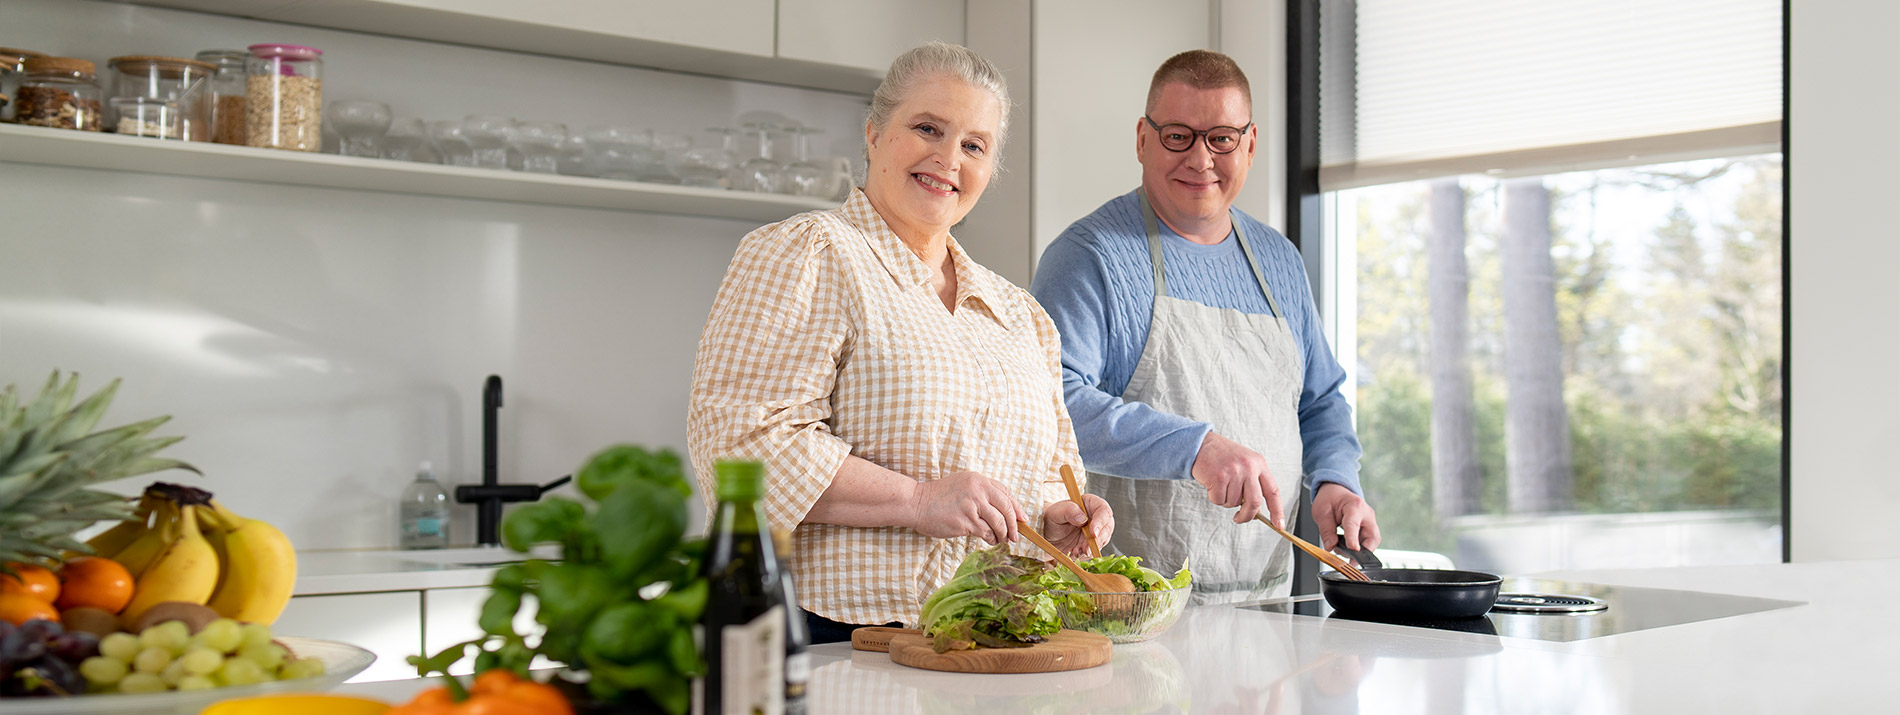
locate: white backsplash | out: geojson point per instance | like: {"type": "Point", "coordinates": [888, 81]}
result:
{"type": "Point", "coordinates": [314, 345]}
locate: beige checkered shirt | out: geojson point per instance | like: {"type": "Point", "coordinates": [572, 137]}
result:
{"type": "Point", "coordinates": [828, 340]}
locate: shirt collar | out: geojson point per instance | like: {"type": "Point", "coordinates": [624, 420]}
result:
{"type": "Point", "coordinates": [904, 266]}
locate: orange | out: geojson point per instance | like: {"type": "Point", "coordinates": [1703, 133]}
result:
{"type": "Point", "coordinates": [30, 579]}
{"type": "Point", "coordinates": [18, 608]}
{"type": "Point", "coordinates": [93, 581]}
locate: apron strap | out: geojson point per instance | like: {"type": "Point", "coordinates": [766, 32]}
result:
{"type": "Point", "coordinates": [1155, 261]}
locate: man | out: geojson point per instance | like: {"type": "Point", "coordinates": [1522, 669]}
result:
{"type": "Point", "coordinates": [1193, 364]}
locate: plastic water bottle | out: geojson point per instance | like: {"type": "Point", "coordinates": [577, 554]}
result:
{"type": "Point", "coordinates": [425, 512]}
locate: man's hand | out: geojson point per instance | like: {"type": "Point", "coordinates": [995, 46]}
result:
{"type": "Point", "coordinates": [1063, 521]}
{"type": "Point", "coordinates": [965, 504]}
{"type": "Point", "coordinates": [1335, 507]}
{"type": "Point", "coordinates": [1237, 476]}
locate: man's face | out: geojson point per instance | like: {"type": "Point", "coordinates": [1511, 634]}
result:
{"type": "Point", "coordinates": [1189, 188]}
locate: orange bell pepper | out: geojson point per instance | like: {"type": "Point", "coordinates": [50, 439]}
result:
{"type": "Point", "coordinates": [494, 692]}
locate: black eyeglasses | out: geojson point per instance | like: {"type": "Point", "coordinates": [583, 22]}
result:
{"type": "Point", "coordinates": [1180, 137]}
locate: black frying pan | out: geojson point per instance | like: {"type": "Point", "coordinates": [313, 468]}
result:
{"type": "Point", "coordinates": [1409, 593]}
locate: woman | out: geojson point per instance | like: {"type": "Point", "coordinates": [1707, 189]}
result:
{"type": "Point", "coordinates": [907, 401]}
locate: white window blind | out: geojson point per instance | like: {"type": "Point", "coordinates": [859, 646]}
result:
{"type": "Point", "coordinates": [1444, 87]}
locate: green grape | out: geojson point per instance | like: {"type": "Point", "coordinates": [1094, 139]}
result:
{"type": "Point", "coordinates": [141, 683]}
{"type": "Point", "coordinates": [152, 660]}
{"type": "Point", "coordinates": [101, 670]}
{"type": "Point", "coordinates": [172, 673]}
{"type": "Point", "coordinates": [256, 634]}
{"type": "Point", "coordinates": [241, 671]}
{"type": "Point", "coordinates": [170, 635]}
{"type": "Point", "coordinates": [122, 647]}
{"type": "Point", "coordinates": [269, 655]}
{"type": "Point", "coordinates": [202, 660]}
{"type": "Point", "coordinates": [195, 682]}
{"type": "Point", "coordinates": [300, 668]}
{"type": "Point", "coordinates": [223, 635]}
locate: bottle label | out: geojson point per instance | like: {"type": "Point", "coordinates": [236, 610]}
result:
{"type": "Point", "coordinates": [752, 661]}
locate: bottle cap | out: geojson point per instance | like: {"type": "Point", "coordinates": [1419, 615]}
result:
{"type": "Point", "coordinates": [426, 470]}
{"type": "Point", "coordinates": [740, 480]}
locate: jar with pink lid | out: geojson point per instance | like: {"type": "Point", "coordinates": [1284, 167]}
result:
{"type": "Point", "coordinates": [284, 98]}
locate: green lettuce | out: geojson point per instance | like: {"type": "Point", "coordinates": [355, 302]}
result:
{"type": "Point", "coordinates": [1144, 578]}
{"type": "Point", "coordinates": [995, 600]}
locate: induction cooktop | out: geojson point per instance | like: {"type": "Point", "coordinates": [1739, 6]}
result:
{"type": "Point", "coordinates": [1593, 610]}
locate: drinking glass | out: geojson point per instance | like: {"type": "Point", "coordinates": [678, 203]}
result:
{"type": "Point", "coordinates": [360, 125]}
{"type": "Point", "coordinates": [708, 166]}
{"type": "Point", "coordinates": [805, 177]}
{"type": "Point", "coordinates": [758, 172]}
{"type": "Point", "coordinates": [450, 143]}
{"type": "Point", "coordinates": [843, 178]}
{"type": "Point", "coordinates": [405, 136]}
{"type": "Point", "coordinates": [539, 144]}
{"type": "Point", "coordinates": [575, 157]}
{"type": "Point", "coordinates": [662, 158]}
{"type": "Point", "coordinates": [488, 135]}
{"type": "Point", "coordinates": [618, 152]}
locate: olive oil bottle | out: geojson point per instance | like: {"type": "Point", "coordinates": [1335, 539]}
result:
{"type": "Point", "coordinates": [745, 618]}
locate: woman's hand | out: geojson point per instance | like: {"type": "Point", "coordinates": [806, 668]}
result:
{"type": "Point", "coordinates": [966, 504]}
{"type": "Point", "coordinates": [1063, 521]}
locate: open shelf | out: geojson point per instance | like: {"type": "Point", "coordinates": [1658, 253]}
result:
{"type": "Point", "coordinates": [90, 150]}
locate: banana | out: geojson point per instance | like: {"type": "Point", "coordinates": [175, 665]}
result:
{"type": "Point", "coordinates": [139, 555]}
{"type": "Point", "coordinates": [187, 570]}
{"type": "Point", "coordinates": [110, 542]}
{"type": "Point", "coordinates": [260, 566]}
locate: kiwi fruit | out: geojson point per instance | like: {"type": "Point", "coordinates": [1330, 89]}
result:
{"type": "Point", "coordinates": [97, 621]}
{"type": "Point", "coordinates": [195, 615]}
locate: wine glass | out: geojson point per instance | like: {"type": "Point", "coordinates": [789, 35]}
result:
{"type": "Point", "coordinates": [539, 144]}
{"type": "Point", "coordinates": [488, 135]}
{"type": "Point", "coordinates": [804, 177]}
{"type": "Point", "coordinates": [758, 172]}
{"type": "Point", "coordinates": [405, 136]}
{"type": "Point", "coordinates": [360, 125]}
{"type": "Point", "coordinates": [451, 143]}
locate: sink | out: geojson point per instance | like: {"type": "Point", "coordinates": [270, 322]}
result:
{"type": "Point", "coordinates": [478, 556]}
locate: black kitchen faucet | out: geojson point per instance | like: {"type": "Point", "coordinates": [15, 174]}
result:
{"type": "Point", "coordinates": [490, 495]}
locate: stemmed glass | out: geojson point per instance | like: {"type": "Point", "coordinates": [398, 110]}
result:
{"type": "Point", "coordinates": [451, 143]}
{"type": "Point", "coordinates": [489, 135]}
{"type": "Point", "coordinates": [758, 172]}
{"type": "Point", "coordinates": [804, 177]}
{"type": "Point", "coordinates": [359, 126]}
{"type": "Point", "coordinates": [539, 144]}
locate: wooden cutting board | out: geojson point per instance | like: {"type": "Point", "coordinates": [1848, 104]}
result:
{"type": "Point", "coordinates": [1065, 650]}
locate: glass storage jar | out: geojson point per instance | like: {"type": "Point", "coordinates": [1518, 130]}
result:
{"type": "Point", "coordinates": [12, 69]}
{"type": "Point", "coordinates": [284, 98]}
{"type": "Point", "coordinates": [59, 92]}
{"type": "Point", "coordinates": [225, 94]}
{"type": "Point", "coordinates": [157, 89]}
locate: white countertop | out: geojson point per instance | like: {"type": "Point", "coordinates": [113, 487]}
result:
{"type": "Point", "coordinates": [1838, 652]}
{"type": "Point", "coordinates": [333, 572]}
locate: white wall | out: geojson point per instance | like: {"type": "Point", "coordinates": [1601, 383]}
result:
{"type": "Point", "coordinates": [1845, 360]}
{"type": "Point", "coordinates": [313, 345]}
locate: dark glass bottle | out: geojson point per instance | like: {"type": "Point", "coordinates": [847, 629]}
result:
{"type": "Point", "coordinates": [797, 636]}
{"type": "Point", "coordinates": [745, 608]}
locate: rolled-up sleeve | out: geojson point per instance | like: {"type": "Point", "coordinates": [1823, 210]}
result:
{"type": "Point", "coordinates": [767, 364]}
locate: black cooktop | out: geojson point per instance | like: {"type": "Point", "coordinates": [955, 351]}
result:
{"type": "Point", "coordinates": [1625, 609]}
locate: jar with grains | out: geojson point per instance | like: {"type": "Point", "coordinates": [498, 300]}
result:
{"type": "Point", "coordinates": [226, 92]}
{"type": "Point", "coordinates": [59, 92]}
{"type": "Point", "coordinates": [143, 83]}
{"type": "Point", "coordinates": [283, 98]}
{"type": "Point", "coordinates": [12, 69]}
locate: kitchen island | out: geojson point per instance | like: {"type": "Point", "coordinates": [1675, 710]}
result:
{"type": "Point", "coordinates": [1833, 649]}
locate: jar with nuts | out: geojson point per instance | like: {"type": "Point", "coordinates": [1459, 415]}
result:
{"type": "Point", "coordinates": [12, 69]}
{"type": "Point", "coordinates": [284, 98]}
{"type": "Point", "coordinates": [59, 92]}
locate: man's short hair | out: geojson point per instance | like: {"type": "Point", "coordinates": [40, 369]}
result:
{"type": "Point", "coordinates": [1200, 69]}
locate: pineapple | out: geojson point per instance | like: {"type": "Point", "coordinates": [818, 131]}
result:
{"type": "Point", "coordinates": [50, 459]}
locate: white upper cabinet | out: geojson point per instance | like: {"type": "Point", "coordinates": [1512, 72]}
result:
{"type": "Point", "coordinates": [865, 34]}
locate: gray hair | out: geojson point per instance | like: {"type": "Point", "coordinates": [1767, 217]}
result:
{"type": "Point", "coordinates": [930, 60]}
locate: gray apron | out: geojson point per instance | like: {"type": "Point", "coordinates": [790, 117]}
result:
{"type": "Point", "coordinates": [1242, 374]}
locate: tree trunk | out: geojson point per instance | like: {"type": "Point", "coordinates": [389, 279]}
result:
{"type": "Point", "coordinates": [1536, 427]}
{"type": "Point", "coordinates": [1455, 469]}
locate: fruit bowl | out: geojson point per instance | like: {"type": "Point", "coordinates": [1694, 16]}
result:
{"type": "Point", "coordinates": [340, 662]}
{"type": "Point", "coordinates": [1123, 617]}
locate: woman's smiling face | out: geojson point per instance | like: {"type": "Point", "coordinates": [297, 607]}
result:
{"type": "Point", "coordinates": [931, 162]}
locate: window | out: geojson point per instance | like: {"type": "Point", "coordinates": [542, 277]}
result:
{"type": "Point", "coordinates": [1566, 331]}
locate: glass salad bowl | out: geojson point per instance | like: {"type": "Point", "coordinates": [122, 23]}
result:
{"type": "Point", "coordinates": [1122, 617]}
{"type": "Point", "coordinates": [341, 661]}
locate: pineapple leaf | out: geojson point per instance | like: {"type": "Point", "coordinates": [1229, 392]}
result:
{"type": "Point", "coordinates": [82, 418]}
{"type": "Point", "coordinates": [101, 441]}
{"type": "Point", "coordinates": [53, 399]}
